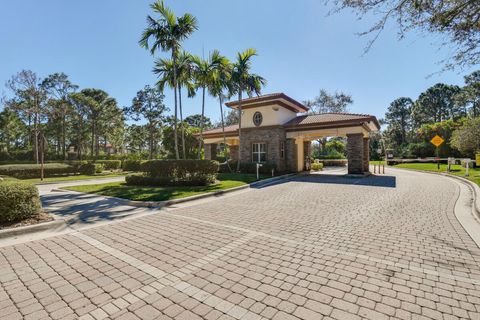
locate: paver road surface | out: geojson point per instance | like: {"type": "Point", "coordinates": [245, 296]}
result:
{"type": "Point", "coordinates": [313, 247]}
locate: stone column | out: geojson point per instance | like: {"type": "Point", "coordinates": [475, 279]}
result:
{"type": "Point", "coordinates": [210, 151]}
{"type": "Point", "coordinates": [300, 154]}
{"type": "Point", "coordinates": [366, 154]}
{"type": "Point", "coordinates": [355, 153]}
{"type": "Point", "coordinates": [290, 155]}
{"type": "Point", "coordinates": [233, 152]}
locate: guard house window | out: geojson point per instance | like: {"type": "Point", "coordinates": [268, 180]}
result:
{"type": "Point", "coordinates": [257, 118]}
{"type": "Point", "coordinates": [282, 150]}
{"type": "Point", "coordinates": [259, 152]}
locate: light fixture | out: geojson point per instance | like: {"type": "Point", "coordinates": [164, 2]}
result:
{"type": "Point", "coordinates": [275, 108]}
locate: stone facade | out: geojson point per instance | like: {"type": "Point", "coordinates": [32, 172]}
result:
{"type": "Point", "coordinates": [233, 152]}
{"type": "Point", "coordinates": [273, 137]}
{"type": "Point", "coordinates": [355, 153]}
{"type": "Point", "coordinates": [291, 155]}
{"type": "Point", "coordinates": [210, 151]}
{"type": "Point", "coordinates": [366, 155]}
{"type": "Point", "coordinates": [283, 152]}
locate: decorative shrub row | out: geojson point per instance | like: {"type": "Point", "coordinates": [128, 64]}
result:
{"type": "Point", "coordinates": [91, 168]}
{"type": "Point", "coordinates": [27, 171]}
{"type": "Point", "coordinates": [30, 171]}
{"type": "Point", "coordinates": [132, 165]}
{"type": "Point", "coordinates": [18, 201]}
{"type": "Point", "coordinates": [175, 172]}
{"type": "Point", "coordinates": [110, 164]}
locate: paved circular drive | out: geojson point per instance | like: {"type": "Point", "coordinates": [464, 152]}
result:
{"type": "Point", "coordinates": [314, 247]}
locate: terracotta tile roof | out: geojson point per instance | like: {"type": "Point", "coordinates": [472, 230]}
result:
{"type": "Point", "coordinates": [271, 97]}
{"type": "Point", "coordinates": [330, 118]}
{"type": "Point", "coordinates": [316, 120]}
{"type": "Point", "coordinates": [228, 129]}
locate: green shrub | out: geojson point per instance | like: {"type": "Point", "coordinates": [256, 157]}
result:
{"type": "Point", "coordinates": [224, 167]}
{"type": "Point", "coordinates": [91, 168]}
{"type": "Point", "coordinates": [132, 165]}
{"type": "Point", "coordinates": [30, 171]}
{"type": "Point", "coordinates": [316, 166]}
{"type": "Point", "coordinates": [176, 172]}
{"type": "Point", "coordinates": [334, 163]}
{"type": "Point", "coordinates": [110, 164]}
{"type": "Point", "coordinates": [18, 201]}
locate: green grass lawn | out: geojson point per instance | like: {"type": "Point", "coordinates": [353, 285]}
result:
{"type": "Point", "coordinates": [457, 170]}
{"type": "Point", "coordinates": [76, 177]}
{"type": "Point", "coordinates": [121, 190]}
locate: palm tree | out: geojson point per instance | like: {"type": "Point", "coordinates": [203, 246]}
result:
{"type": "Point", "coordinates": [204, 73]}
{"type": "Point", "coordinates": [164, 69]}
{"type": "Point", "coordinates": [218, 84]}
{"type": "Point", "coordinates": [244, 81]}
{"type": "Point", "coordinates": [168, 32]}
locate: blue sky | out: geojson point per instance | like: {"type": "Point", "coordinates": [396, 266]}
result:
{"type": "Point", "coordinates": [301, 49]}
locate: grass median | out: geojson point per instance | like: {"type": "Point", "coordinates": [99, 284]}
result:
{"type": "Point", "coordinates": [147, 193]}
{"type": "Point", "coordinates": [457, 170]}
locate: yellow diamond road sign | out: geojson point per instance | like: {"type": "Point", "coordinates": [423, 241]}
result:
{"type": "Point", "coordinates": [437, 141]}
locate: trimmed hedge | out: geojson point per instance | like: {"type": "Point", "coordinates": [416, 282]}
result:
{"type": "Point", "coordinates": [334, 162]}
{"type": "Point", "coordinates": [248, 167]}
{"type": "Point", "coordinates": [18, 201]}
{"type": "Point", "coordinates": [110, 164]}
{"type": "Point", "coordinates": [175, 173]}
{"type": "Point", "coordinates": [28, 171]}
{"type": "Point", "coordinates": [91, 168]}
{"type": "Point", "coordinates": [132, 165]}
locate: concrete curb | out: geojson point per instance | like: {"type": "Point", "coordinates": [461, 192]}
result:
{"type": "Point", "coordinates": [166, 203]}
{"type": "Point", "coordinates": [50, 225]}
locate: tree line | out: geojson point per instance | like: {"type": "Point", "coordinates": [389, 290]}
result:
{"type": "Point", "coordinates": [51, 117]}
{"type": "Point", "coordinates": [442, 109]}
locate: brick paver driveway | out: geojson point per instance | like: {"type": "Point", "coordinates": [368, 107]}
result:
{"type": "Point", "coordinates": [311, 248]}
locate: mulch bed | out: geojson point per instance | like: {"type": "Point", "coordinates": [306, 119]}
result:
{"type": "Point", "coordinates": [41, 217]}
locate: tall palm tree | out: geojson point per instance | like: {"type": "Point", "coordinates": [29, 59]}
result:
{"type": "Point", "coordinates": [217, 88]}
{"type": "Point", "coordinates": [164, 69]}
{"type": "Point", "coordinates": [204, 73]}
{"type": "Point", "coordinates": [244, 81]}
{"type": "Point", "coordinates": [168, 31]}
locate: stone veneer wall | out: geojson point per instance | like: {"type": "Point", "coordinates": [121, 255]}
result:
{"type": "Point", "coordinates": [355, 153]}
{"type": "Point", "coordinates": [272, 136]}
{"type": "Point", "coordinates": [233, 152]}
{"type": "Point", "coordinates": [291, 155]}
{"type": "Point", "coordinates": [366, 155]}
{"type": "Point", "coordinates": [210, 151]}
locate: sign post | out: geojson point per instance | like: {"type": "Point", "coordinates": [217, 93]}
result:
{"type": "Point", "coordinates": [437, 141]}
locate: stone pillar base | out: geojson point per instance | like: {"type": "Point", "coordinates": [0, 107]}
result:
{"type": "Point", "coordinates": [355, 153]}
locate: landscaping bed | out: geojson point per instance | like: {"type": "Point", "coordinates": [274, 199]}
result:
{"type": "Point", "coordinates": [38, 218]}
{"type": "Point", "coordinates": [154, 193]}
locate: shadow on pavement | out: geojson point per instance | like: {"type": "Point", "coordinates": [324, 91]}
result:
{"type": "Point", "coordinates": [371, 181]}
{"type": "Point", "coordinates": [85, 208]}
